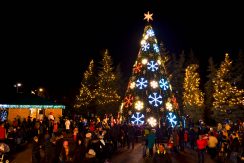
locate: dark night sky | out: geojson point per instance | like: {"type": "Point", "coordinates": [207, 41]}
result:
{"type": "Point", "coordinates": [50, 45]}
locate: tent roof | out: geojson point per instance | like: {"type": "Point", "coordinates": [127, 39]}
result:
{"type": "Point", "coordinates": [27, 101]}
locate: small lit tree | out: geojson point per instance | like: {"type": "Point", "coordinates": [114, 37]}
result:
{"type": "Point", "coordinates": [107, 95]}
{"type": "Point", "coordinates": [86, 94]}
{"type": "Point", "coordinates": [192, 96]}
{"type": "Point", "coordinates": [226, 96]}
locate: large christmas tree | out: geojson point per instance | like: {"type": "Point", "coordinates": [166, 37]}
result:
{"type": "Point", "coordinates": [148, 96]}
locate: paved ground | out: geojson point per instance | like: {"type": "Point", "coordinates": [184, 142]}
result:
{"type": "Point", "coordinates": [23, 156]}
{"type": "Point", "coordinates": [135, 156]}
{"type": "Point", "coordinates": [123, 156]}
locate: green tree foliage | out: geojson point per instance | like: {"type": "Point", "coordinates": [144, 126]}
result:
{"type": "Point", "coordinates": [209, 89]}
{"type": "Point", "coordinates": [177, 78]}
{"type": "Point", "coordinates": [107, 95]}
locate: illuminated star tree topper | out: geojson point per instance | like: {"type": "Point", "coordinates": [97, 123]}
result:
{"type": "Point", "coordinates": [148, 16]}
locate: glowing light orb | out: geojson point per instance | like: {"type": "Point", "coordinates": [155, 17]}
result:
{"type": "Point", "coordinates": [144, 61]}
{"type": "Point", "coordinates": [143, 42]}
{"type": "Point", "coordinates": [159, 62]}
{"type": "Point", "coordinates": [132, 85]}
{"type": "Point", "coordinates": [139, 105]}
{"type": "Point", "coordinates": [154, 84]}
{"type": "Point", "coordinates": [145, 37]}
{"type": "Point", "coordinates": [152, 121]}
{"type": "Point", "coordinates": [169, 106]}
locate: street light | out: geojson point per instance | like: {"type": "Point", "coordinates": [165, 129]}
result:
{"type": "Point", "coordinates": [17, 85]}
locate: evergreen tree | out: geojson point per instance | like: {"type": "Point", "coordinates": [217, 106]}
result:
{"type": "Point", "coordinates": [86, 94]}
{"type": "Point", "coordinates": [148, 95]}
{"type": "Point", "coordinates": [227, 97]}
{"type": "Point", "coordinates": [192, 97]}
{"type": "Point", "coordinates": [107, 95]}
{"type": "Point", "coordinates": [177, 79]}
{"type": "Point", "coordinates": [209, 90]}
{"type": "Point", "coordinates": [120, 81]}
{"type": "Point", "coordinates": [237, 76]}
{"type": "Point", "coordinates": [191, 59]}
{"type": "Point", "coordinates": [165, 58]}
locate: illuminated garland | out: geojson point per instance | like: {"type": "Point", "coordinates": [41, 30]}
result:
{"type": "Point", "coordinates": [106, 92]}
{"type": "Point", "coordinates": [84, 98]}
{"type": "Point", "coordinates": [86, 94]}
{"type": "Point", "coordinates": [5, 106]}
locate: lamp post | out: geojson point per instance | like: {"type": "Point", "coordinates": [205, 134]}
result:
{"type": "Point", "coordinates": [17, 85]}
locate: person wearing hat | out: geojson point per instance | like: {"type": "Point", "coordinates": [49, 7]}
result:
{"type": "Point", "coordinates": [101, 148]}
{"type": "Point", "coordinates": [88, 139]}
{"type": "Point", "coordinates": [90, 157]}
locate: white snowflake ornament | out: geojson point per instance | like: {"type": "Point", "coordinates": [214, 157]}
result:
{"type": "Point", "coordinates": [138, 118]}
{"type": "Point", "coordinates": [155, 99]}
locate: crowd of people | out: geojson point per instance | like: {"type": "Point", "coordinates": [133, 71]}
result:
{"type": "Point", "coordinates": [95, 140]}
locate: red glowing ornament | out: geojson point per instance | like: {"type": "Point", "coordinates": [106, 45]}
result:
{"type": "Point", "coordinates": [137, 68]}
{"type": "Point", "coordinates": [128, 101]}
{"type": "Point", "coordinates": [174, 101]}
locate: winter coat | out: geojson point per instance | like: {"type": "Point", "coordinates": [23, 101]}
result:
{"type": "Point", "coordinates": [235, 145]}
{"type": "Point", "coordinates": [131, 132]}
{"type": "Point", "coordinates": [51, 153]}
{"type": "Point", "coordinates": [151, 140]}
{"type": "Point", "coordinates": [36, 152]}
{"type": "Point", "coordinates": [212, 142]}
{"type": "Point", "coordinates": [201, 144]}
{"type": "Point", "coordinates": [79, 153]}
{"type": "Point", "coordinates": [176, 138]}
{"type": "Point", "coordinates": [161, 157]}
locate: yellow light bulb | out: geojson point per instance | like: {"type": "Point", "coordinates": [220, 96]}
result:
{"type": "Point", "coordinates": [144, 61]}
{"type": "Point", "coordinates": [143, 42]}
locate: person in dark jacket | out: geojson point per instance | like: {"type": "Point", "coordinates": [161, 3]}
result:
{"type": "Point", "coordinates": [101, 149]}
{"type": "Point", "coordinates": [161, 155]}
{"type": "Point", "coordinates": [36, 157]}
{"type": "Point", "coordinates": [131, 136]}
{"type": "Point", "coordinates": [192, 138]}
{"type": "Point", "coordinates": [234, 147]}
{"type": "Point", "coordinates": [51, 151]}
{"type": "Point", "coordinates": [80, 151]}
